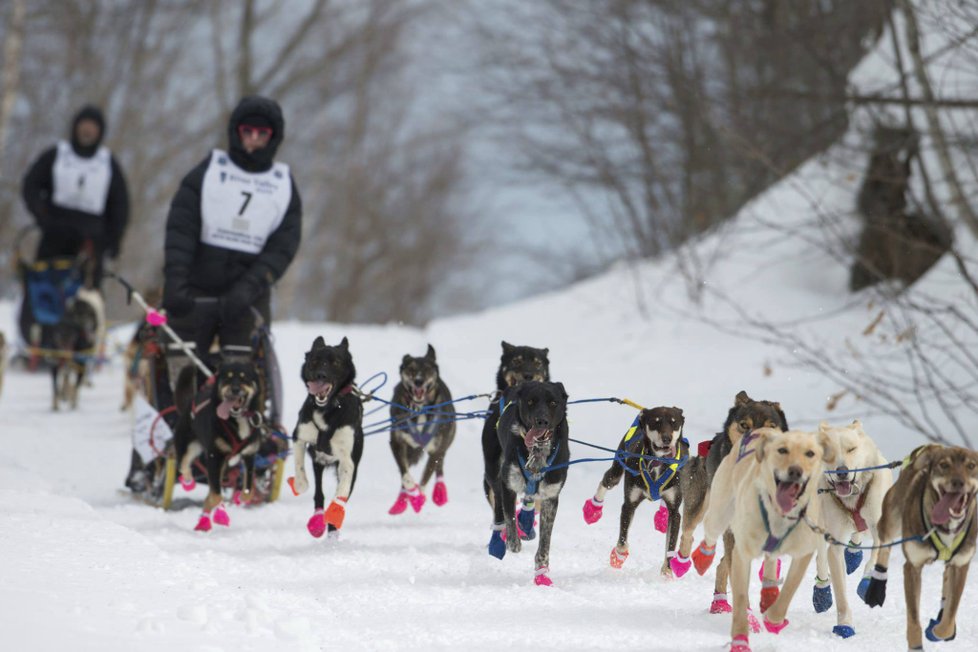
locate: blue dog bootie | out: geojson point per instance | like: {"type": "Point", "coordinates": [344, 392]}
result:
{"type": "Point", "coordinates": [854, 559]}
{"type": "Point", "coordinates": [497, 547]}
{"type": "Point", "coordinates": [822, 595]}
{"type": "Point", "coordinates": [862, 588]}
{"type": "Point", "coordinates": [843, 631]}
{"type": "Point", "coordinates": [929, 632]}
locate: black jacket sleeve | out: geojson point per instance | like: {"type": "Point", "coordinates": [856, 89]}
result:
{"type": "Point", "coordinates": [183, 227]}
{"type": "Point", "coordinates": [38, 187]}
{"type": "Point", "coordinates": [116, 211]}
{"type": "Point", "coordinates": [279, 250]}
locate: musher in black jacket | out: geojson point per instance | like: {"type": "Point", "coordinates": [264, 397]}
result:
{"type": "Point", "coordinates": [234, 227]}
{"type": "Point", "coordinates": [77, 194]}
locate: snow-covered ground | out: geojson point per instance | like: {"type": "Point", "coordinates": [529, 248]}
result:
{"type": "Point", "coordinates": [83, 567]}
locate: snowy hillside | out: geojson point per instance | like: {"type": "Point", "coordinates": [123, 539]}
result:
{"type": "Point", "coordinates": [86, 568]}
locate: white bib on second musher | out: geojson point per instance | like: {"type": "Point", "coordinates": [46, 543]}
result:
{"type": "Point", "coordinates": [81, 183]}
{"type": "Point", "coordinates": [240, 209]}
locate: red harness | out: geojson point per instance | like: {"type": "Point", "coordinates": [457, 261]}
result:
{"type": "Point", "coordinates": [856, 512]}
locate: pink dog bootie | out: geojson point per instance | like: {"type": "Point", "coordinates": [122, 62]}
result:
{"type": "Point", "coordinates": [317, 523]}
{"type": "Point", "coordinates": [204, 522]}
{"type": "Point", "coordinates": [661, 519]}
{"type": "Point", "coordinates": [416, 499]}
{"type": "Point", "coordinates": [740, 644]}
{"type": "Point", "coordinates": [680, 565]}
{"type": "Point", "coordinates": [221, 516]}
{"type": "Point", "coordinates": [542, 578]}
{"type": "Point", "coordinates": [775, 629]}
{"type": "Point", "coordinates": [188, 483]}
{"type": "Point", "coordinates": [400, 504]}
{"type": "Point", "coordinates": [593, 508]}
{"type": "Point", "coordinates": [720, 604]}
{"type": "Point", "coordinates": [618, 558]}
{"type": "Point", "coordinates": [439, 495]}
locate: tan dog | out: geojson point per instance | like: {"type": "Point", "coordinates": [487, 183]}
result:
{"type": "Point", "coordinates": [851, 505]}
{"type": "Point", "coordinates": [933, 505]}
{"type": "Point", "coordinates": [763, 491]}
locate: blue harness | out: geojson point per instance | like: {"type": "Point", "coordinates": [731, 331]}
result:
{"type": "Point", "coordinates": [654, 487]}
{"type": "Point", "coordinates": [421, 436]}
{"type": "Point", "coordinates": [533, 479]}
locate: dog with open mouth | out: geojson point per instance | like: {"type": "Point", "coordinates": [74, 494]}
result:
{"type": "Point", "coordinates": [422, 421]}
{"type": "Point", "coordinates": [330, 428]}
{"type": "Point", "coordinates": [745, 415]}
{"type": "Point", "coordinates": [222, 422]}
{"type": "Point", "coordinates": [532, 436]}
{"type": "Point", "coordinates": [851, 497]}
{"type": "Point", "coordinates": [932, 507]}
{"type": "Point", "coordinates": [765, 495]}
{"type": "Point", "coordinates": [656, 433]}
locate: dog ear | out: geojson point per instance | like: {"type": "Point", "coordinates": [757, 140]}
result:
{"type": "Point", "coordinates": [828, 447]}
{"type": "Point", "coordinates": [431, 353]}
{"type": "Point", "coordinates": [823, 426]}
{"type": "Point", "coordinates": [742, 398]}
{"type": "Point", "coordinates": [319, 343]}
{"type": "Point", "coordinates": [563, 392]}
{"type": "Point", "coordinates": [762, 439]}
{"type": "Point", "coordinates": [507, 348]}
{"type": "Point", "coordinates": [345, 344]}
{"type": "Point", "coordinates": [406, 359]}
{"type": "Point", "coordinates": [546, 352]}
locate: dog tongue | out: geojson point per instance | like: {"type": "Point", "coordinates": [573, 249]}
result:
{"type": "Point", "coordinates": [787, 495]}
{"type": "Point", "coordinates": [224, 409]}
{"type": "Point", "coordinates": [843, 489]}
{"type": "Point", "coordinates": [940, 513]}
{"type": "Point", "coordinates": [535, 434]}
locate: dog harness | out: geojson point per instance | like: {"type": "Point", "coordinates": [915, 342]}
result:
{"type": "Point", "coordinates": [533, 479]}
{"type": "Point", "coordinates": [421, 436]}
{"type": "Point", "coordinates": [773, 542]}
{"type": "Point", "coordinates": [856, 512]}
{"type": "Point", "coordinates": [944, 552]}
{"type": "Point", "coordinates": [744, 451]}
{"type": "Point", "coordinates": [653, 487]}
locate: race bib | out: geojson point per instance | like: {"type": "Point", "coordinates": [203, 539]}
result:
{"type": "Point", "coordinates": [81, 183]}
{"type": "Point", "coordinates": [240, 209]}
{"type": "Point", "coordinates": [150, 432]}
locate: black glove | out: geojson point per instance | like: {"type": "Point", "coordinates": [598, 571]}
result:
{"type": "Point", "coordinates": [236, 301]}
{"type": "Point", "coordinates": [177, 298]}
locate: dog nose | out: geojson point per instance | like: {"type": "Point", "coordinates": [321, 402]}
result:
{"type": "Point", "coordinates": [527, 376]}
{"type": "Point", "coordinates": [794, 473]}
{"type": "Point", "coordinates": [957, 485]}
{"type": "Point", "coordinates": [542, 423]}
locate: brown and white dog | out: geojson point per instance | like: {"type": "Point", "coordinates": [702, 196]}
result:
{"type": "Point", "coordinates": [851, 504]}
{"type": "Point", "coordinates": [657, 433]}
{"type": "Point", "coordinates": [764, 492]}
{"type": "Point", "coordinates": [932, 504]}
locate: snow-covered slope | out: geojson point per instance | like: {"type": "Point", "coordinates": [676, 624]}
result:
{"type": "Point", "coordinates": [85, 568]}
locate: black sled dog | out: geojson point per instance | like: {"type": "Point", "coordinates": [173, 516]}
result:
{"type": "Point", "coordinates": [423, 421]}
{"type": "Point", "coordinates": [529, 457]}
{"type": "Point", "coordinates": [221, 422]}
{"type": "Point", "coordinates": [75, 340]}
{"type": "Point", "coordinates": [330, 427]}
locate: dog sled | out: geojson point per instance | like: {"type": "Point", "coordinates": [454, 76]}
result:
{"type": "Point", "coordinates": [153, 475]}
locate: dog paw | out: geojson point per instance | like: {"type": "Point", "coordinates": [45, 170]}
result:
{"type": "Point", "coordinates": [932, 634]}
{"type": "Point", "coordinates": [299, 483]}
{"type": "Point", "coordinates": [593, 509]}
{"type": "Point", "coordinates": [525, 520]}
{"type": "Point", "coordinates": [661, 519]}
{"type": "Point", "coordinates": [542, 578]}
{"type": "Point", "coordinates": [769, 595]}
{"type": "Point", "coordinates": [821, 596]}
{"type": "Point", "coordinates": [720, 604]}
{"type": "Point", "coordinates": [203, 523]}
{"type": "Point", "coordinates": [775, 628]}
{"type": "Point", "coordinates": [875, 594]}
{"type": "Point", "coordinates": [188, 483]}
{"type": "Point", "coordinates": [439, 495]}
{"type": "Point", "coordinates": [703, 557]}
{"type": "Point", "coordinates": [497, 547]}
{"type": "Point", "coordinates": [844, 631]}
{"type": "Point", "coordinates": [862, 588]}
{"type": "Point", "coordinates": [740, 644]}
{"type": "Point", "coordinates": [854, 559]}
{"type": "Point", "coordinates": [316, 524]}
{"type": "Point", "coordinates": [513, 544]}
{"type": "Point", "coordinates": [400, 504]}
{"type": "Point", "coordinates": [336, 512]}
{"type": "Point", "coordinates": [680, 565]}
{"type": "Point", "coordinates": [618, 558]}
{"type": "Point", "coordinates": [221, 516]}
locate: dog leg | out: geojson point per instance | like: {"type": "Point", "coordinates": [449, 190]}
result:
{"type": "Point", "coordinates": [740, 576]}
{"type": "Point", "coordinates": [774, 620]}
{"type": "Point", "coordinates": [723, 568]}
{"type": "Point", "coordinates": [317, 522]}
{"type": "Point", "coordinates": [508, 501]}
{"type": "Point", "coordinates": [693, 512]}
{"type": "Point", "coordinates": [55, 389]}
{"type": "Point", "coordinates": [843, 612]}
{"type": "Point", "coordinates": [771, 568]}
{"type": "Point", "coordinates": [944, 628]}
{"type": "Point", "coordinates": [431, 467]}
{"type": "Point", "coordinates": [633, 496]}
{"type": "Point", "coordinates": [399, 449]}
{"type": "Point", "coordinates": [911, 592]}
{"type": "Point", "coordinates": [671, 539]}
{"type": "Point", "coordinates": [548, 513]}
{"type": "Point", "coordinates": [872, 588]}
{"type": "Point", "coordinates": [822, 591]}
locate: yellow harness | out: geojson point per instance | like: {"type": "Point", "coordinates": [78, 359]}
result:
{"type": "Point", "coordinates": [654, 488]}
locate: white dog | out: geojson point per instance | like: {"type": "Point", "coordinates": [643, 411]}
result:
{"type": "Point", "coordinates": [851, 505]}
